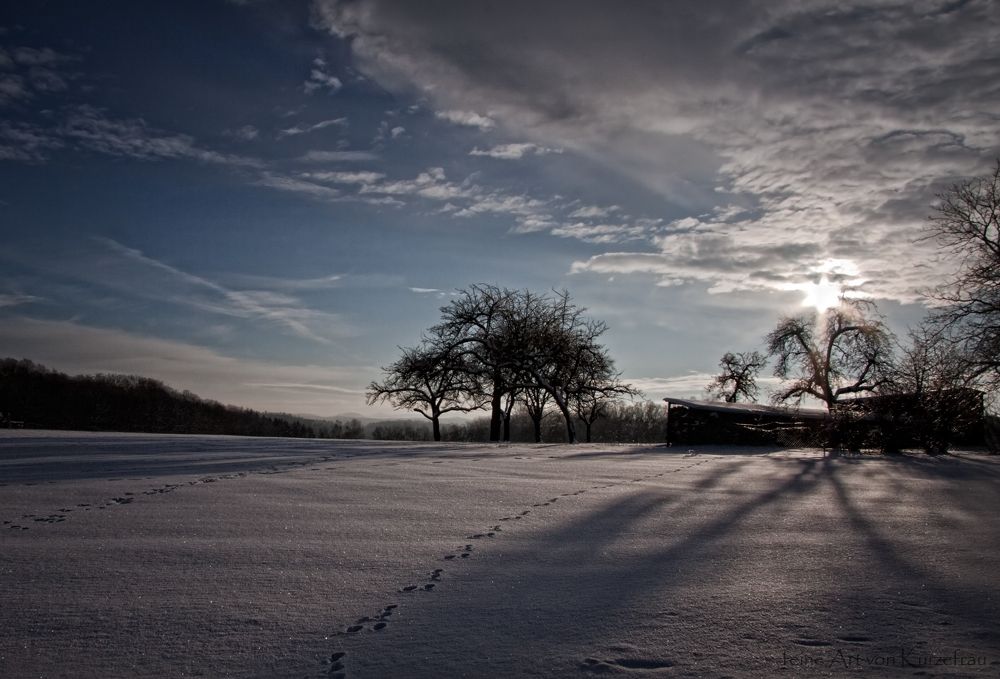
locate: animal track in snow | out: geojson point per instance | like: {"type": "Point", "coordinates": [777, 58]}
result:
{"type": "Point", "coordinates": [601, 666]}
{"type": "Point", "coordinates": [377, 622]}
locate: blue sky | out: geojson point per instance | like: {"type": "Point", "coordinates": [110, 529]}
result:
{"type": "Point", "coordinates": [259, 200]}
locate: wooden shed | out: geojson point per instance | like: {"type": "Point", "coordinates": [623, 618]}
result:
{"type": "Point", "coordinates": [691, 422]}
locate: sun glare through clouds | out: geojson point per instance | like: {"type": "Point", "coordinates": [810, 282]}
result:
{"type": "Point", "coordinates": [825, 293]}
{"type": "Point", "coordinates": [822, 295]}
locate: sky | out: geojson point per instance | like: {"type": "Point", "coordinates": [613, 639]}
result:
{"type": "Point", "coordinates": [260, 201]}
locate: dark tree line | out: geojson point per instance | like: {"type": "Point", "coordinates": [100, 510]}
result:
{"type": "Point", "coordinates": [621, 422]}
{"type": "Point", "coordinates": [928, 389]}
{"type": "Point", "coordinates": [45, 399]}
{"type": "Point", "coordinates": [497, 349]}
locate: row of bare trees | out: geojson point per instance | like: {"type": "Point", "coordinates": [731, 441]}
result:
{"type": "Point", "coordinates": [497, 348]}
{"type": "Point", "coordinates": [848, 351]}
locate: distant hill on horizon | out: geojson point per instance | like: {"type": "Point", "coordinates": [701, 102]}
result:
{"type": "Point", "coordinates": [36, 397]}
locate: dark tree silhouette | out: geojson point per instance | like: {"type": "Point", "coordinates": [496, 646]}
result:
{"type": "Point", "coordinates": [494, 343]}
{"type": "Point", "coordinates": [967, 228]}
{"type": "Point", "coordinates": [563, 357]}
{"type": "Point", "coordinates": [480, 329]}
{"type": "Point", "coordinates": [431, 380]}
{"type": "Point", "coordinates": [928, 399]}
{"type": "Point", "coordinates": [45, 399]}
{"type": "Point", "coordinates": [596, 393]}
{"type": "Point", "coordinates": [845, 350]}
{"type": "Point", "coordinates": [535, 400]}
{"type": "Point", "coordinates": [738, 378]}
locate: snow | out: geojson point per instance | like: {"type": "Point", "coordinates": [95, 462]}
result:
{"type": "Point", "coordinates": [143, 555]}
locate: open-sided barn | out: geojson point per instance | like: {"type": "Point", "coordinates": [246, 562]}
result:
{"type": "Point", "coordinates": [691, 422]}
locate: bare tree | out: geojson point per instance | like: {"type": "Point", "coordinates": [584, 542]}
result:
{"type": "Point", "coordinates": [508, 341]}
{"type": "Point", "coordinates": [563, 357]}
{"type": "Point", "coordinates": [483, 328]}
{"type": "Point", "coordinates": [535, 400]}
{"type": "Point", "coordinates": [429, 380]}
{"type": "Point", "coordinates": [592, 403]}
{"type": "Point", "coordinates": [928, 398]}
{"type": "Point", "coordinates": [738, 378]}
{"type": "Point", "coordinates": [967, 227]}
{"type": "Point", "coordinates": [845, 350]}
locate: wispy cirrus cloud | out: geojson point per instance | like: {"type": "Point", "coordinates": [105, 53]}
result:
{"type": "Point", "coordinates": [296, 185]}
{"type": "Point", "coordinates": [306, 129]}
{"type": "Point", "coordinates": [16, 298]}
{"type": "Point", "coordinates": [467, 199]}
{"type": "Point", "coordinates": [245, 133]}
{"type": "Point", "coordinates": [345, 177]}
{"type": "Point", "coordinates": [338, 156]}
{"type": "Point", "coordinates": [162, 281]}
{"type": "Point", "coordinates": [513, 151]}
{"type": "Point", "coordinates": [91, 128]}
{"type": "Point", "coordinates": [467, 118]}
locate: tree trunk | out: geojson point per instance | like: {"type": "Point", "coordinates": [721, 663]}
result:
{"type": "Point", "coordinates": [538, 427]}
{"type": "Point", "coordinates": [436, 425]}
{"type": "Point", "coordinates": [570, 427]}
{"type": "Point", "coordinates": [564, 409]}
{"type": "Point", "coordinates": [496, 421]}
{"type": "Point", "coordinates": [588, 431]}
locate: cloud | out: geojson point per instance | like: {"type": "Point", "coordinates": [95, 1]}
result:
{"type": "Point", "coordinates": [32, 72]}
{"type": "Point", "coordinates": [158, 280]}
{"type": "Point", "coordinates": [690, 384]}
{"type": "Point", "coordinates": [467, 118]}
{"type": "Point", "coordinates": [285, 183]}
{"type": "Point", "coordinates": [305, 129]}
{"type": "Point", "coordinates": [599, 233]}
{"type": "Point", "coordinates": [78, 349]}
{"type": "Point", "coordinates": [89, 128]}
{"type": "Point", "coordinates": [29, 56]}
{"type": "Point", "coordinates": [245, 133]}
{"type": "Point", "coordinates": [594, 211]}
{"type": "Point", "coordinates": [16, 298]}
{"type": "Point", "coordinates": [833, 123]}
{"type": "Point", "coordinates": [338, 156]}
{"type": "Point", "coordinates": [430, 184]}
{"type": "Point", "coordinates": [345, 177]}
{"type": "Point", "coordinates": [24, 142]}
{"type": "Point", "coordinates": [513, 151]}
{"type": "Point", "coordinates": [305, 387]}
{"type": "Point", "coordinates": [534, 223]}
{"type": "Point", "coordinates": [12, 88]}
{"type": "Point", "coordinates": [319, 79]}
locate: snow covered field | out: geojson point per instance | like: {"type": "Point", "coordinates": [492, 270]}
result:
{"type": "Point", "coordinates": [142, 555]}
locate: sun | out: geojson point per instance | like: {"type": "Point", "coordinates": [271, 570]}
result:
{"type": "Point", "coordinates": [822, 295]}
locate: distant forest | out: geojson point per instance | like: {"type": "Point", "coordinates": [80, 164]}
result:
{"type": "Point", "coordinates": [35, 397]}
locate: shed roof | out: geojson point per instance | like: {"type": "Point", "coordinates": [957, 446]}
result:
{"type": "Point", "coordinates": [752, 409]}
